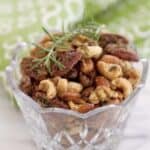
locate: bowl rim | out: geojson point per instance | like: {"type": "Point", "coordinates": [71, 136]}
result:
{"type": "Point", "coordinates": [16, 91]}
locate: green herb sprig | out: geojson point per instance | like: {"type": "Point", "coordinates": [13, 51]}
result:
{"type": "Point", "coordinates": [91, 30]}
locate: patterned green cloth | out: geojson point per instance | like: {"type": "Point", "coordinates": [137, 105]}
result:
{"type": "Point", "coordinates": [21, 20]}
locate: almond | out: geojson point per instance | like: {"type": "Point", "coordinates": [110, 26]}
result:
{"type": "Point", "coordinates": [85, 107]}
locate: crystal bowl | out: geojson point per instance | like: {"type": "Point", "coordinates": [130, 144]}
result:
{"type": "Point", "coordinates": [60, 129]}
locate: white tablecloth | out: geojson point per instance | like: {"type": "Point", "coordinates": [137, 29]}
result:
{"type": "Point", "coordinates": [14, 134]}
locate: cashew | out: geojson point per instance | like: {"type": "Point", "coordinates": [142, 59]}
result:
{"type": "Point", "coordinates": [124, 85]}
{"type": "Point", "coordinates": [93, 98]}
{"type": "Point", "coordinates": [111, 59]}
{"type": "Point", "coordinates": [82, 108]}
{"type": "Point", "coordinates": [133, 76]}
{"type": "Point", "coordinates": [87, 65]}
{"type": "Point", "coordinates": [73, 106]}
{"type": "Point", "coordinates": [74, 87]}
{"type": "Point", "coordinates": [62, 86]}
{"type": "Point", "coordinates": [101, 93]}
{"type": "Point", "coordinates": [93, 51]}
{"type": "Point", "coordinates": [110, 71]}
{"type": "Point", "coordinates": [49, 87]}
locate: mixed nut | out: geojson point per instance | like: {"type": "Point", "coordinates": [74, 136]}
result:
{"type": "Point", "coordinates": [94, 73]}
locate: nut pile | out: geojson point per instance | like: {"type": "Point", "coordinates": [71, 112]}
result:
{"type": "Point", "coordinates": [95, 73]}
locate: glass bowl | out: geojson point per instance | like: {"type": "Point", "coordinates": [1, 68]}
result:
{"type": "Point", "coordinates": [60, 129]}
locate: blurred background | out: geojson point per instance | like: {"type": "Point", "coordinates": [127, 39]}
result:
{"type": "Point", "coordinates": [21, 20]}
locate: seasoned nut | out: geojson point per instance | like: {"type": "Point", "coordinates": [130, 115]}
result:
{"type": "Point", "coordinates": [93, 52]}
{"type": "Point", "coordinates": [82, 108]}
{"type": "Point", "coordinates": [85, 80]}
{"type": "Point", "coordinates": [72, 74]}
{"type": "Point", "coordinates": [101, 93]}
{"type": "Point", "coordinates": [107, 38]}
{"type": "Point", "coordinates": [58, 103]}
{"type": "Point", "coordinates": [93, 98]}
{"type": "Point", "coordinates": [71, 96]}
{"type": "Point", "coordinates": [87, 65]}
{"type": "Point", "coordinates": [55, 80]}
{"type": "Point", "coordinates": [85, 107]}
{"type": "Point", "coordinates": [110, 71]}
{"type": "Point", "coordinates": [111, 59]}
{"type": "Point", "coordinates": [74, 87]}
{"type": "Point", "coordinates": [126, 55]}
{"type": "Point", "coordinates": [133, 76]}
{"type": "Point", "coordinates": [102, 81]}
{"type": "Point", "coordinates": [48, 87]}
{"type": "Point", "coordinates": [87, 91]}
{"type": "Point", "coordinates": [62, 86]}
{"type": "Point", "coordinates": [124, 85]}
{"type": "Point", "coordinates": [114, 101]}
{"type": "Point", "coordinates": [26, 85]}
{"type": "Point", "coordinates": [79, 40]}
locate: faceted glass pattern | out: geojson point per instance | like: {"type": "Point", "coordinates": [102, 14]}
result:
{"type": "Point", "coordinates": [60, 129]}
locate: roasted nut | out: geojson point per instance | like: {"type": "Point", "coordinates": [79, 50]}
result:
{"type": "Point", "coordinates": [62, 86]}
{"type": "Point", "coordinates": [48, 87]}
{"type": "Point", "coordinates": [79, 40]}
{"type": "Point", "coordinates": [124, 85]}
{"type": "Point", "coordinates": [26, 85]}
{"type": "Point", "coordinates": [101, 93]}
{"type": "Point", "coordinates": [71, 96]}
{"type": "Point", "coordinates": [72, 74]}
{"type": "Point", "coordinates": [110, 71]}
{"type": "Point", "coordinates": [87, 91]}
{"type": "Point", "coordinates": [82, 108]}
{"type": "Point", "coordinates": [107, 38]}
{"type": "Point", "coordinates": [85, 80]}
{"type": "Point", "coordinates": [87, 66]}
{"type": "Point", "coordinates": [85, 107]}
{"type": "Point", "coordinates": [126, 55]}
{"type": "Point", "coordinates": [102, 81]}
{"type": "Point", "coordinates": [27, 69]}
{"type": "Point", "coordinates": [111, 59]}
{"type": "Point", "coordinates": [74, 87]}
{"type": "Point", "coordinates": [55, 80]}
{"type": "Point", "coordinates": [114, 101]}
{"type": "Point", "coordinates": [58, 103]}
{"type": "Point", "coordinates": [93, 52]}
{"type": "Point", "coordinates": [93, 98]}
{"type": "Point", "coordinates": [133, 75]}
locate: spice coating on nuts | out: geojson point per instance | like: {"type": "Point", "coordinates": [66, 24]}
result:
{"type": "Point", "coordinates": [80, 71]}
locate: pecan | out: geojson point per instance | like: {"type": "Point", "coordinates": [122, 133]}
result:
{"type": "Point", "coordinates": [72, 74]}
{"type": "Point", "coordinates": [58, 103]}
{"type": "Point", "coordinates": [27, 68]}
{"type": "Point", "coordinates": [26, 85]}
{"type": "Point", "coordinates": [69, 59]}
{"type": "Point", "coordinates": [87, 91]}
{"type": "Point", "coordinates": [87, 66]}
{"type": "Point", "coordinates": [126, 55]}
{"type": "Point", "coordinates": [102, 81]}
{"type": "Point", "coordinates": [107, 38]}
{"type": "Point", "coordinates": [87, 80]}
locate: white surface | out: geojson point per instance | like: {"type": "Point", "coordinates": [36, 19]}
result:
{"type": "Point", "coordinates": [14, 134]}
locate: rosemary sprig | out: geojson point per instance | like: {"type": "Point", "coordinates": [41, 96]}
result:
{"type": "Point", "coordinates": [47, 60]}
{"type": "Point", "coordinates": [91, 30]}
